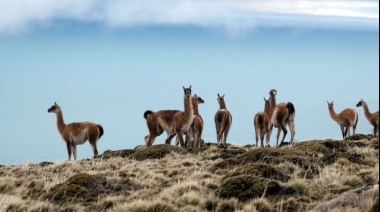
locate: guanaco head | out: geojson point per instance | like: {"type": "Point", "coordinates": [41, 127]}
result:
{"type": "Point", "coordinates": [187, 91]}
{"type": "Point", "coordinates": [54, 108]}
{"type": "Point", "coordinates": [273, 92]}
{"type": "Point", "coordinates": [267, 105]}
{"type": "Point", "coordinates": [330, 104]}
{"type": "Point", "coordinates": [220, 99]}
{"type": "Point", "coordinates": [267, 102]}
{"type": "Point", "coordinates": [360, 103]}
{"type": "Point", "coordinates": [196, 100]}
{"type": "Point", "coordinates": [199, 99]}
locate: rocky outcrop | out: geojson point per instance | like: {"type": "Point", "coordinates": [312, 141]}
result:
{"type": "Point", "coordinates": [353, 199]}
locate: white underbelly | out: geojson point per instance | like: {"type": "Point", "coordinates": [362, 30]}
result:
{"type": "Point", "coordinates": [274, 120]}
{"type": "Point", "coordinates": [79, 138]}
{"type": "Point", "coordinates": [169, 128]}
{"type": "Point", "coordinates": [187, 125]}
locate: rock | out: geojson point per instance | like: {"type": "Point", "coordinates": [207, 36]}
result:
{"type": "Point", "coordinates": [356, 198]}
{"type": "Point", "coordinates": [140, 147]}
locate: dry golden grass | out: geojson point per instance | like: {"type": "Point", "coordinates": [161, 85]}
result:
{"type": "Point", "coordinates": [292, 178]}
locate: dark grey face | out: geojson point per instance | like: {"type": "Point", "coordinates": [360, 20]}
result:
{"type": "Point", "coordinates": [273, 92]}
{"type": "Point", "coordinates": [187, 91]}
{"type": "Point", "coordinates": [200, 100]}
{"type": "Point", "coordinates": [53, 108]}
{"type": "Point", "coordinates": [359, 104]}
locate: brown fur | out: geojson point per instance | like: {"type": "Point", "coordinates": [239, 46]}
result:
{"type": "Point", "coordinates": [194, 134]}
{"type": "Point", "coordinates": [373, 118]}
{"type": "Point", "coordinates": [261, 123]}
{"type": "Point", "coordinates": [77, 133]}
{"type": "Point", "coordinates": [223, 121]}
{"type": "Point", "coordinates": [346, 119]}
{"type": "Point", "coordinates": [281, 114]}
{"type": "Point", "coordinates": [174, 122]}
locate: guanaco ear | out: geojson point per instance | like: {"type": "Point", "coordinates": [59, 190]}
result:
{"type": "Point", "coordinates": [218, 95]}
{"type": "Point", "coordinates": [55, 103]}
{"type": "Point", "coordinates": [223, 95]}
{"type": "Point", "coordinates": [265, 99]}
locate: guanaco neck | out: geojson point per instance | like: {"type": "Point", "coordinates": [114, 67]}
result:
{"type": "Point", "coordinates": [366, 110]}
{"type": "Point", "coordinates": [222, 104]}
{"type": "Point", "coordinates": [267, 107]}
{"type": "Point", "coordinates": [189, 111]}
{"type": "Point", "coordinates": [272, 104]}
{"type": "Point", "coordinates": [195, 105]}
{"type": "Point", "coordinates": [332, 113]}
{"type": "Point", "coordinates": [272, 100]}
{"type": "Point", "coordinates": [60, 123]}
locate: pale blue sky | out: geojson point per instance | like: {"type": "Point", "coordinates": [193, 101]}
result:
{"type": "Point", "coordinates": [109, 63]}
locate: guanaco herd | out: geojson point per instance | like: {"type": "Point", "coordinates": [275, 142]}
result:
{"type": "Point", "coordinates": [189, 123]}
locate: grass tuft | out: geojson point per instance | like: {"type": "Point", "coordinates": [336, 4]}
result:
{"type": "Point", "coordinates": [245, 187]}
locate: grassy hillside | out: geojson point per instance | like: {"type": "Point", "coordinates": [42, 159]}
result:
{"type": "Point", "coordinates": [213, 178]}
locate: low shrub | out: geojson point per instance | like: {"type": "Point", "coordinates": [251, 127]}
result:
{"type": "Point", "coordinates": [333, 157]}
{"type": "Point", "coordinates": [156, 152]}
{"type": "Point", "coordinates": [260, 170]}
{"type": "Point", "coordinates": [118, 153]}
{"type": "Point", "coordinates": [357, 137]}
{"type": "Point", "coordinates": [245, 187]}
{"type": "Point", "coordinates": [375, 143]}
{"type": "Point", "coordinates": [83, 187]}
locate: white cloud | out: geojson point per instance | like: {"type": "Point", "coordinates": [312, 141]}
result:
{"type": "Point", "coordinates": [232, 15]}
{"type": "Point", "coordinates": [347, 8]}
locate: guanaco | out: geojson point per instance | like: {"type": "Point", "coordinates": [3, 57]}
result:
{"type": "Point", "coordinates": [174, 122]}
{"type": "Point", "coordinates": [346, 119]}
{"type": "Point", "coordinates": [77, 133]}
{"type": "Point", "coordinates": [223, 121]}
